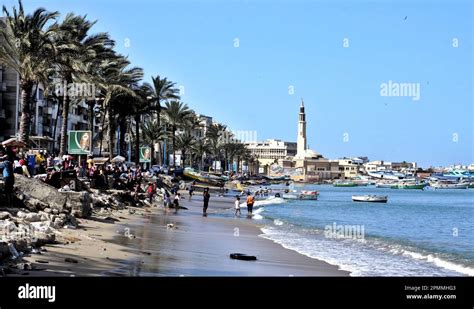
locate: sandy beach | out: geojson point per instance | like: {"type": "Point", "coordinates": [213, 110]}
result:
{"type": "Point", "coordinates": [144, 244]}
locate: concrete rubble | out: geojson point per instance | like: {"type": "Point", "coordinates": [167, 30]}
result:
{"type": "Point", "coordinates": [40, 211]}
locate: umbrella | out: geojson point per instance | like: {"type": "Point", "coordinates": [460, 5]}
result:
{"type": "Point", "coordinates": [118, 159]}
{"type": "Point", "coordinates": [13, 142]}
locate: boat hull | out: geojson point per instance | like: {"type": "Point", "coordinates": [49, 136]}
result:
{"type": "Point", "coordinates": [410, 187]}
{"type": "Point", "coordinates": [345, 185]}
{"type": "Point", "coordinates": [449, 186]}
{"type": "Point", "coordinates": [370, 199]}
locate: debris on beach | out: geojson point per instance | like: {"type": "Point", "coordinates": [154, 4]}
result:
{"type": "Point", "coordinates": [243, 257]}
{"type": "Point", "coordinates": [39, 211]}
{"type": "Point", "coordinates": [71, 260]}
{"type": "Point", "coordinates": [171, 226]}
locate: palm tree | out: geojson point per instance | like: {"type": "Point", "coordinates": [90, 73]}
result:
{"type": "Point", "coordinates": [161, 90]}
{"type": "Point", "coordinates": [116, 80]}
{"type": "Point", "coordinates": [28, 48]}
{"type": "Point", "coordinates": [152, 133]}
{"type": "Point", "coordinates": [214, 136]}
{"type": "Point", "coordinates": [200, 149]}
{"type": "Point", "coordinates": [75, 48]}
{"type": "Point", "coordinates": [176, 114]}
{"type": "Point", "coordinates": [184, 142]}
{"type": "Point", "coordinates": [141, 105]}
{"type": "Point", "coordinates": [232, 150]}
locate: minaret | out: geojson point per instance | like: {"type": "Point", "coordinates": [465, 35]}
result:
{"type": "Point", "coordinates": [301, 141]}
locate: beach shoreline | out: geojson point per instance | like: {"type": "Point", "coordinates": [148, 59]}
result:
{"type": "Point", "coordinates": [161, 242]}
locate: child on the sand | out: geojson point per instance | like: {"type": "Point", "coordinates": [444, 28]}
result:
{"type": "Point", "coordinates": [237, 205]}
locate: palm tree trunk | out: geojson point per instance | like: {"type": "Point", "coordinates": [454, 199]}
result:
{"type": "Point", "coordinates": [56, 125]}
{"type": "Point", "coordinates": [174, 150]}
{"type": "Point", "coordinates": [65, 116]}
{"type": "Point", "coordinates": [137, 139]}
{"type": "Point", "coordinates": [26, 88]}
{"type": "Point", "coordinates": [160, 154]}
{"type": "Point", "coordinates": [102, 132]}
{"type": "Point", "coordinates": [123, 131]}
{"type": "Point", "coordinates": [152, 152]}
{"type": "Point", "coordinates": [110, 132]}
{"type": "Point", "coordinates": [64, 123]}
{"type": "Point", "coordinates": [91, 104]}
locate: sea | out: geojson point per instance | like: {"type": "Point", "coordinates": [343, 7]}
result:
{"type": "Point", "coordinates": [416, 233]}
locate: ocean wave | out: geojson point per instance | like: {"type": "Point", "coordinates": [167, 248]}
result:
{"type": "Point", "coordinates": [257, 214]}
{"type": "Point", "coordinates": [369, 258]}
{"type": "Point", "coordinates": [278, 222]}
{"type": "Point", "coordinates": [430, 258]}
{"type": "Point", "coordinates": [269, 201]}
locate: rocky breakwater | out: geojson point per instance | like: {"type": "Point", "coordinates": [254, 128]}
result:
{"type": "Point", "coordinates": [37, 213]}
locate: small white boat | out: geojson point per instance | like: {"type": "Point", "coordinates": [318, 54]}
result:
{"type": "Point", "coordinates": [303, 195]}
{"type": "Point", "coordinates": [384, 184]}
{"type": "Point", "coordinates": [447, 185]}
{"type": "Point", "coordinates": [370, 198]}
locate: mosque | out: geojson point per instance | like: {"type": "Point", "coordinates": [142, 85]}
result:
{"type": "Point", "coordinates": [308, 165]}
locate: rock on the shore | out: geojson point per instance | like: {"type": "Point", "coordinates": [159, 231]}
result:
{"type": "Point", "coordinates": [4, 215]}
{"type": "Point", "coordinates": [37, 195]}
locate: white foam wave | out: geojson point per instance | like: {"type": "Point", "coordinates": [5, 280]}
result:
{"type": "Point", "coordinates": [277, 222]}
{"type": "Point", "coordinates": [374, 258]}
{"type": "Point", "coordinates": [269, 201]}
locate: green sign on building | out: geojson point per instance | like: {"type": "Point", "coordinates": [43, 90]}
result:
{"type": "Point", "coordinates": [145, 154]}
{"type": "Point", "coordinates": [80, 142]}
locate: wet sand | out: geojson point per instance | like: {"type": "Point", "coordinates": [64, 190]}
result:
{"type": "Point", "coordinates": [200, 246]}
{"type": "Point", "coordinates": [195, 246]}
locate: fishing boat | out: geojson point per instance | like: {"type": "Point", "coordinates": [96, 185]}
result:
{"type": "Point", "coordinates": [387, 185]}
{"type": "Point", "coordinates": [370, 198]}
{"type": "Point", "coordinates": [345, 184]}
{"type": "Point", "coordinates": [192, 174]}
{"type": "Point", "coordinates": [361, 180]}
{"type": "Point", "coordinates": [387, 175]}
{"type": "Point", "coordinates": [448, 185]}
{"type": "Point", "coordinates": [410, 185]}
{"type": "Point", "coordinates": [302, 195]}
{"type": "Point", "coordinates": [454, 175]}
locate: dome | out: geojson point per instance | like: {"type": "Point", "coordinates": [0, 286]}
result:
{"type": "Point", "coordinates": [311, 154]}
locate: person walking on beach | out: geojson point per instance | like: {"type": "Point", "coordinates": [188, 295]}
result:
{"type": "Point", "coordinates": [167, 199]}
{"type": "Point", "coordinates": [206, 197]}
{"type": "Point", "coordinates": [250, 201]}
{"type": "Point", "coordinates": [176, 199]}
{"type": "Point", "coordinates": [8, 177]}
{"type": "Point", "coordinates": [191, 190]}
{"type": "Point", "coordinates": [150, 191]}
{"type": "Point", "coordinates": [237, 205]}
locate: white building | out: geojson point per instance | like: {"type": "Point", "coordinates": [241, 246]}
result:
{"type": "Point", "coordinates": [271, 150]}
{"type": "Point", "coordinates": [374, 166]}
{"type": "Point", "coordinates": [348, 168]}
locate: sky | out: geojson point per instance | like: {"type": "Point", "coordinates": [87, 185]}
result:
{"type": "Point", "coordinates": [249, 63]}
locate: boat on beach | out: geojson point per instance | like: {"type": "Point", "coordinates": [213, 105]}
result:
{"type": "Point", "coordinates": [370, 198]}
{"type": "Point", "coordinates": [193, 174]}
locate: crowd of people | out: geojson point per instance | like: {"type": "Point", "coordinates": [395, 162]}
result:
{"type": "Point", "coordinates": [102, 175]}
